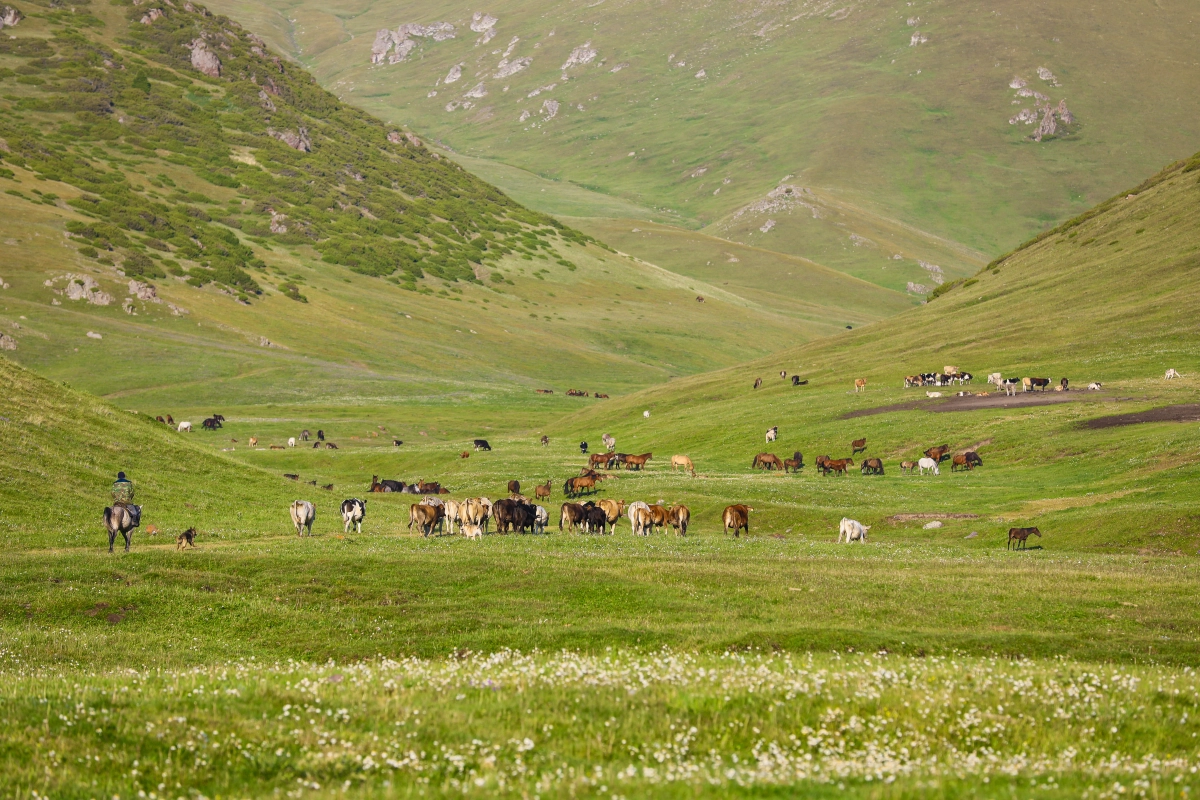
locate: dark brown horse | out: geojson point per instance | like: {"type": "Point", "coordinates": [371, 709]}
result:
{"type": "Point", "coordinates": [1021, 535]}
{"type": "Point", "coordinates": [858, 446]}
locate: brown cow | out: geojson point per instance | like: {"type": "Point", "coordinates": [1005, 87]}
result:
{"type": "Point", "coordinates": [637, 462]}
{"type": "Point", "coordinates": [766, 461]}
{"type": "Point", "coordinates": [858, 446]}
{"type": "Point", "coordinates": [938, 453]}
{"type": "Point", "coordinates": [612, 511]}
{"type": "Point", "coordinates": [794, 463]}
{"type": "Point", "coordinates": [658, 517]}
{"type": "Point", "coordinates": [860, 385]}
{"type": "Point", "coordinates": [1021, 535]}
{"type": "Point", "coordinates": [838, 465]}
{"type": "Point", "coordinates": [679, 516]}
{"type": "Point", "coordinates": [424, 517]}
{"type": "Point", "coordinates": [542, 490]}
{"type": "Point", "coordinates": [737, 517]}
{"type": "Point", "coordinates": [573, 514]}
{"type": "Point", "coordinates": [514, 487]}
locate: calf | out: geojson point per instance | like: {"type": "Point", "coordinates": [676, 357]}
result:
{"type": "Point", "coordinates": [860, 385]}
{"type": "Point", "coordinates": [353, 512]}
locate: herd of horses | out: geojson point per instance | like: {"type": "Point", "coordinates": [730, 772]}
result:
{"type": "Point", "coordinates": [933, 458]}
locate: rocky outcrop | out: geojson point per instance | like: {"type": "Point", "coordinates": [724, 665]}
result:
{"type": "Point", "coordinates": [395, 46]}
{"type": "Point", "coordinates": [550, 108]}
{"type": "Point", "coordinates": [144, 291]}
{"type": "Point", "coordinates": [506, 68]}
{"type": "Point", "coordinates": [584, 54]}
{"type": "Point", "coordinates": [478, 91]}
{"type": "Point", "coordinates": [10, 17]}
{"type": "Point", "coordinates": [454, 74]}
{"type": "Point", "coordinates": [204, 59]}
{"type": "Point", "coordinates": [7, 342]}
{"type": "Point", "coordinates": [1047, 127]}
{"type": "Point", "coordinates": [297, 140]}
{"type": "Point", "coordinates": [81, 287]}
{"type": "Point", "coordinates": [151, 16]}
{"type": "Point", "coordinates": [485, 24]}
{"type": "Point", "coordinates": [277, 222]}
{"type": "Point", "coordinates": [267, 103]}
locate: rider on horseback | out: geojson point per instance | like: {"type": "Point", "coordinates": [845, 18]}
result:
{"type": "Point", "coordinates": [122, 495]}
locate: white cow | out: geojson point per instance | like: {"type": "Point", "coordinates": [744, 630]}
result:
{"type": "Point", "coordinates": [540, 517]}
{"type": "Point", "coordinates": [353, 511]}
{"type": "Point", "coordinates": [303, 516]}
{"type": "Point", "coordinates": [1171, 373]}
{"type": "Point", "coordinates": [632, 514]}
{"type": "Point", "coordinates": [853, 530]}
{"type": "Point", "coordinates": [185, 427]}
{"type": "Point", "coordinates": [1095, 386]}
{"type": "Point", "coordinates": [928, 463]}
{"type": "Point", "coordinates": [454, 514]}
{"type": "Point", "coordinates": [291, 442]}
{"type": "Point", "coordinates": [996, 380]}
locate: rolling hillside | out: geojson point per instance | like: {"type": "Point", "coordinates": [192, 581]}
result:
{"type": "Point", "coordinates": [193, 212]}
{"type": "Point", "coordinates": [911, 128]}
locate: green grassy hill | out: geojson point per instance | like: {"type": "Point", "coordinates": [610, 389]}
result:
{"type": "Point", "coordinates": [285, 245]}
{"type": "Point", "coordinates": [895, 115]}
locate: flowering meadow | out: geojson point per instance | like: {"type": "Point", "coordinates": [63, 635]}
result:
{"type": "Point", "coordinates": [611, 724]}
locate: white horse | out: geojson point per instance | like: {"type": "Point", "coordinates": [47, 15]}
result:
{"type": "Point", "coordinates": [772, 434]}
{"type": "Point", "coordinates": [291, 441]}
{"type": "Point", "coordinates": [1171, 374]}
{"type": "Point", "coordinates": [930, 464]}
{"type": "Point", "coordinates": [185, 427]}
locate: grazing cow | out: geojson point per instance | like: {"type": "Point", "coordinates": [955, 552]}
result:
{"type": "Point", "coordinates": [996, 379]}
{"type": "Point", "coordinates": [320, 435]}
{"type": "Point", "coordinates": [121, 519]}
{"type": "Point", "coordinates": [514, 487]}
{"type": "Point", "coordinates": [1021, 535]}
{"type": "Point", "coordinates": [908, 466]}
{"type": "Point", "coordinates": [766, 461]}
{"type": "Point", "coordinates": [797, 382]}
{"type": "Point", "coordinates": [912, 380]}
{"type": "Point", "coordinates": [303, 516]}
{"type": "Point", "coordinates": [871, 466]}
{"type": "Point", "coordinates": [757, 382]}
{"type": "Point", "coordinates": [353, 512]}
{"type": "Point", "coordinates": [853, 531]}
{"type": "Point", "coordinates": [930, 464]}
{"type": "Point", "coordinates": [330, 446]}
{"type": "Point", "coordinates": [1027, 384]}
{"type": "Point", "coordinates": [938, 453]}
{"type": "Point", "coordinates": [858, 446]}
{"type": "Point", "coordinates": [772, 433]}
{"type": "Point", "coordinates": [679, 517]}
{"type": "Point", "coordinates": [594, 518]}
{"type": "Point", "coordinates": [610, 442]}
{"type": "Point", "coordinates": [965, 377]}
{"type": "Point", "coordinates": [545, 440]}
{"type": "Point", "coordinates": [838, 465]}
{"type": "Point", "coordinates": [1171, 374]}
{"type": "Point", "coordinates": [1039, 383]}
{"type": "Point", "coordinates": [860, 385]}
{"type": "Point", "coordinates": [632, 512]}
{"type": "Point", "coordinates": [736, 518]}
{"type": "Point", "coordinates": [186, 539]}
{"type": "Point", "coordinates": [542, 490]}
{"type": "Point", "coordinates": [185, 427]}
{"type": "Point", "coordinates": [583, 447]}
{"type": "Point", "coordinates": [482, 444]}
{"type": "Point", "coordinates": [425, 517]}
{"type": "Point", "coordinates": [683, 461]}
{"type": "Point", "coordinates": [305, 435]}
{"type": "Point", "coordinates": [641, 520]}
{"type": "Point", "coordinates": [612, 510]}
{"type": "Point", "coordinates": [795, 463]}
{"type": "Point", "coordinates": [637, 462]}
{"type": "Point", "coordinates": [573, 514]}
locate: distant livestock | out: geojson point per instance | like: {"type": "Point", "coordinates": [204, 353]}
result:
{"type": "Point", "coordinates": [683, 461]}
{"type": "Point", "coordinates": [1171, 374]}
{"type": "Point", "coordinates": [852, 531]}
{"type": "Point", "coordinates": [353, 512]}
{"type": "Point", "coordinates": [610, 442]}
{"type": "Point", "coordinates": [641, 520]}
{"type": "Point", "coordinates": [968, 461]}
{"type": "Point", "coordinates": [794, 463]}
{"type": "Point", "coordinates": [872, 466]}
{"type": "Point", "coordinates": [860, 385]}
{"type": "Point", "coordinates": [637, 462]}
{"type": "Point", "coordinates": [938, 453]}
{"type": "Point", "coordinates": [766, 461]}
{"type": "Point", "coordinates": [839, 466]}
{"type": "Point", "coordinates": [1021, 537]}
{"type": "Point", "coordinates": [291, 442]}
{"type": "Point", "coordinates": [185, 427]}
{"type": "Point", "coordinates": [908, 466]}
{"type": "Point", "coordinates": [613, 509]}
{"type": "Point", "coordinates": [1095, 386]}
{"type": "Point", "coordinates": [678, 516]}
{"type": "Point", "coordinates": [572, 515]}
{"type": "Point", "coordinates": [545, 440]}
{"type": "Point", "coordinates": [425, 517]}
{"type": "Point", "coordinates": [542, 491]}
{"type": "Point", "coordinates": [933, 394]}
{"type": "Point", "coordinates": [514, 487]}
{"type": "Point", "coordinates": [211, 424]}
{"type": "Point", "coordinates": [736, 518]}
{"type": "Point", "coordinates": [305, 435]}
{"type": "Point", "coordinates": [303, 517]}
{"type": "Point", "coordinates": [797, 382]}
{"type": "Point", "coordinates": [772, 433]}
{"type": "Point", "coordinates": [858, 446]}
{"type": "Point", "coordinates": [320, 435]}
{"type": "Point", "coordinates": [757, 382]}
{"type": "Point", "coordinates": [1038, 383]}
{"type": "Point", "coordinates": [482, 444]}
{"type": "Point", "coordinates": [928, 464]}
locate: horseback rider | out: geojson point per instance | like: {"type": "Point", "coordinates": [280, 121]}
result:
{"type": "Point", "coordinates": [122, 495]}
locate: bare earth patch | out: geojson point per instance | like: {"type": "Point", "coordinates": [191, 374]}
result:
{"type": "Point", "coordinates": [1184, 412]}
{"type": "Point", "coordinates": [975, 403]}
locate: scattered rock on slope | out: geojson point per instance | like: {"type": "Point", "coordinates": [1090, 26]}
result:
{"type": "Point", "coordinates": [485, 24]}
{"type": "Point", "coordinates": [297, 140]}
{"type": "Point", "coordinates": [9, 17]}
{"type": "Point", "coordinates": [584, 54]}
{"type": "Point", "coordinates": [204, 59]}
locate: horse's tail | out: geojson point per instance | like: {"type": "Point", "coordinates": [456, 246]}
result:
{"type": "Point", "coordinates": [108, 512]}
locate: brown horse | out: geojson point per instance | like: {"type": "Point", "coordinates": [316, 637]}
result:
{"type": "Point", "coordinates": [1021, 535]}
{"type": "Point", "coordinates": [838, 465]}
{"type": "Point", "coordinates": [737, 517]}
{"type": "Point", "coordinates": [766, 461]}
{"type": "Point", "coordinates": [542, 490]}
{"type": "Point", "coordinates": [858, 446]}
{"type": "Point", "coordinates": [637, 462]}
{"type": "Point", "coordinates": [794, 463]}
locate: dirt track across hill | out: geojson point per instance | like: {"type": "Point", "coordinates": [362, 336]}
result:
{"type": "Point", "coordinates": [1185, 412]}
{"type": "Point", "coordinates": [976, 403]}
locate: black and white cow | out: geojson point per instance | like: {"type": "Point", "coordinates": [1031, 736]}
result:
{"type": "Point", "coordinates": [353, 511]}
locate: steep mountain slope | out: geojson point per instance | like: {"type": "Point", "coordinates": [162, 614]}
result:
{"type": "Point", "coordinates": [915, 114]}
{"type": "Point", "coordinates": [211, 214]}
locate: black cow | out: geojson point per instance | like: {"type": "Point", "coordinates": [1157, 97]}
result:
{"type": "Point", "coordinates": [482, 444]}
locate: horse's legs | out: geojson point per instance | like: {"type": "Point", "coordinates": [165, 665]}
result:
{"type": "Point", "coordinates": [128, 537]}
{"type": "Point", "coordinates": [112, 537]}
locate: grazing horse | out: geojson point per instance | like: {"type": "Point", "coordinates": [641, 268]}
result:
{"type": "Point", "coordinates": [305, 435]}
{"type": "Point", "coordinates": [853, 531]}
{"type": "Point", "coordinates": [170, 420]}
{"type": "Point", "coordinates": [120, 519]}
{"type": "Point", "coordinates": [679, 516]}
{"type": "Point", "coordinates": [872, 466]}
{"type": "Point", "coordinates": [353, 511]}
{"type": "Point", "coordinates": [303, 516]}
{"type": "Point", "coordinates": [838, 465]}
{"type": "Point", "coordinates": [683, 461]}
{"type": "Point", "coordinates": [860, 385]}
{"type": "Point", "coordinates": [930, 464]}
{"type": "Point", "coordinates": [736, 517]}
{"type": "Point", "coordinates": [766, 461]}
{"type": "Point", "coordinates": [794, 463]}
{"type": "Point", "coordinates": [772, 433]}
{"type": "Point", "coordinates": [757, 382]}
{"type": "Point", "coordinates": [1021, 535]}
{"type": "Point", "coordinates": [908, 466]}
{"type": "Point", "coordinates": [185, 427]}
{"type": "Point", "coordinates": [858, 446]}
